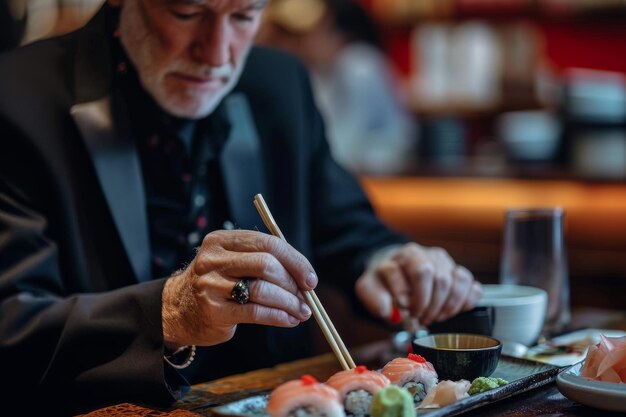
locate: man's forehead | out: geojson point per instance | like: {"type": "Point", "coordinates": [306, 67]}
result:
{"type": "Point", "coordinates": [222, 4]}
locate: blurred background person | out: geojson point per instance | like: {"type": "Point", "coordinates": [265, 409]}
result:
{"type": "Point", "coordinates": [12, 22]}
{"type": "Point", "coordinates": [369, 129]}
{"type": "Point", "coordinates": [25, 21]}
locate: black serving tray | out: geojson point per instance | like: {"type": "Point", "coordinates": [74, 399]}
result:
{"type": "Point", "coordinates": [523, 375]}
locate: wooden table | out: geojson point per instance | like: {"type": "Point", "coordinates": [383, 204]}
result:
{"type": "Point", "coordinates": [545, 401]}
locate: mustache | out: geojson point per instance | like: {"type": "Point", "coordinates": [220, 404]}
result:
{"type": "Point", "coordinates": [203, 70]}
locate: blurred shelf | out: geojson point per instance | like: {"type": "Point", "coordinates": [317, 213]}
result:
{"type": "Point", "coordinates": [470, 111]}
{"type": "Point", "coordinates": [485, 168]}
{"type": "Point", "coordinates": [408, 13]}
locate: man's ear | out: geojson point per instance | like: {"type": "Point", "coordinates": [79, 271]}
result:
{"type": "Point", "coordinates": [115, 3]}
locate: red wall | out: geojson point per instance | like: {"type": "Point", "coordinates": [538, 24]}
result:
{"type": "Point", "coordinates": [584, 43]}
{"type": "Point", "coordinates": [596, 45]}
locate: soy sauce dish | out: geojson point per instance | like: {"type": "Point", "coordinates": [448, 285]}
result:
{"type": "Point", "coordinates": [460, 355]}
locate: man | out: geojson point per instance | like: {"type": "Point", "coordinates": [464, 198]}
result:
{"type": "Point", "coordinates": [130, 154]}
{"type": "Point", "coordinates": [367, 126]}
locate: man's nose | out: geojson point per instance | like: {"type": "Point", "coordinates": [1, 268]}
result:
{"type": "Point", "coordinates": [212, 43]}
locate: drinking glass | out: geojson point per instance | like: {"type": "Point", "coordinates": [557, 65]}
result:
{"type": "Point", "coordinates": [534, 254]}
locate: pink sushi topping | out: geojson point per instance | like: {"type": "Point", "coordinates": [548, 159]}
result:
{"type": "Point", "coordinates": [414, 373]}
{"type": "Point", "coordinates": [359, 378]}
{"type": "Point", "coordinates": [304, 393]}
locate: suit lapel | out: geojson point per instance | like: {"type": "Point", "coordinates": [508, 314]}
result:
{"type": "Point", "coordinates": [242, 164]}
{"type": "Point", "coordinates": [102, 122]}
{"type": "Point", "coordinates": [119, 173]}
{"type": "Point", "coordinates": [117, 164]}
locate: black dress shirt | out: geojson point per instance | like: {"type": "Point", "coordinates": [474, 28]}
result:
{"type": "Point", "coordinates": [181, 169]}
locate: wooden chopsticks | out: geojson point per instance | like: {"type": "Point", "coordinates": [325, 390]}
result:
{"type": "Point", "coordinates": [333, 338]}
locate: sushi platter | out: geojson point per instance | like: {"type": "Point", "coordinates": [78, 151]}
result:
{"type": "Point", "coordinates": [471, 372]}
{"type": "Point", "coordinates": [522, 376]}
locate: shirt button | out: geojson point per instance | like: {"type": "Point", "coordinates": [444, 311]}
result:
{"type": "Point", "coordinates": [228, 225]}
{"type": "Point", "coordinates": [193, 238]}
{"type": "Point", "coordinates": [199, 201]}
{"type": "Point", "coordinates": [201, 222]}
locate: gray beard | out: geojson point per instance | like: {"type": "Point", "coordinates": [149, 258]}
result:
{"type": "Point", "coordinates": [140, 46]}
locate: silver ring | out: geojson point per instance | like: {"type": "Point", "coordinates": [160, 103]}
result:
{"type": "Point", "coordinates": [241, 292]}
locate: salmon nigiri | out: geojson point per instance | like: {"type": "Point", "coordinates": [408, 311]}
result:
{"type": "Point", "coordinates": [356, 388]}
{"type": "Point", "coordinates": [304, 397]}
{"type": "Point", "coordinates": [414, 373]}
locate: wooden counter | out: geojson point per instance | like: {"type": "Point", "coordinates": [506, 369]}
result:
{"type": "Point", "coordinates": [466, 216]}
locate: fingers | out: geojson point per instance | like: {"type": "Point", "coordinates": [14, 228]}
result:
{"type": "Point", "coordinates": [269, 295]}
{"type": "Point", "coordinates": [382, 287]}
{"type": "Point", "coordinates": [220, 245]}
{"type": "Point", "coordinates": [260, 314]}
{"type": "Point", "coordinates": [261, 292]}
{"type": "Point", "coordinates": [439, 288]}
{"type": "Point", "coordinates": [475, 294]}
{"type": "Point", "coordinates": [293, 261]}
{"type": "Point", "coordinates": [458, 294]}
{"type": "Point", "coordinates": [259, 265]}
{"type": "Point", "coordinates": [420, 272]}
{"type": "Point", "coordinates": [390, 273]}
{"type": "Point", "coordinates": [373, 294]}
{"type": "Point", "coordinates": [441, 293]}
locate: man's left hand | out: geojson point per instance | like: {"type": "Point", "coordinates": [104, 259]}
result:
{"type": "Point", "coordinates": [423, 280]}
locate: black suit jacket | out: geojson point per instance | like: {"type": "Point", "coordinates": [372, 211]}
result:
{"type": "Point", "coordinates": [80, 316]}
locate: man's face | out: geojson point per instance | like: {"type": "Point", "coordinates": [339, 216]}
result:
{"type": "Point", "coordinates": [188, 53]}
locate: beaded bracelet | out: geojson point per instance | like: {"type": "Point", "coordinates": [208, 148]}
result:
{"type": "Point", "coordinates": [190, 357]}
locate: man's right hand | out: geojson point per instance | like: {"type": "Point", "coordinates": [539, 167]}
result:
{"type": "Point", "coordinates": [197, 308]}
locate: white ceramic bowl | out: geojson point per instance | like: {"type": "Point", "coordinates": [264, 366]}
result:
{"type": "Point", "coordinates": [519, 312]}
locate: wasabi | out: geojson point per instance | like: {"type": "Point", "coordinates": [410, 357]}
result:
{"type": "Point", "coordinates": [393, 401]}
{"type": "Point", "coordinates": [485, 383]}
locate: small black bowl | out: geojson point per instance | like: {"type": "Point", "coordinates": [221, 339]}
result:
{"type": "Point", "coordinates": [479, 320]}
{"type": "Point", "coordinates": [460, 355]}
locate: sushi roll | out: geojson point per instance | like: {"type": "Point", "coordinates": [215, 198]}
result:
{"type": "Point", "coordinates": [304, 397]}
{"type": "Point", "coordinates": [356, 388]}
{"type": "Point", "coordinates": [414, 373]}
